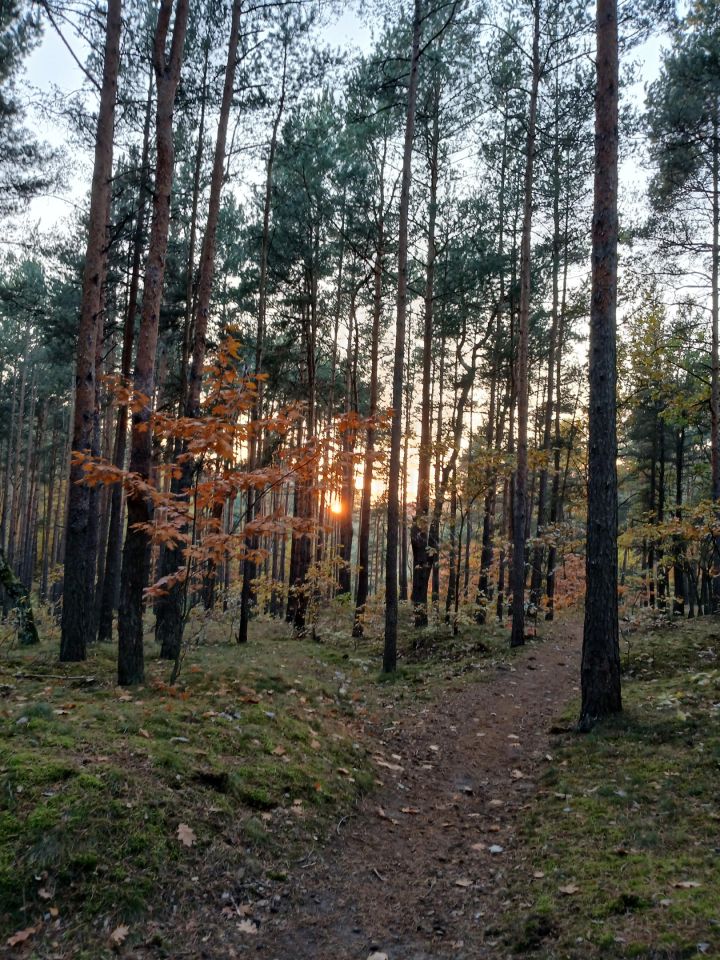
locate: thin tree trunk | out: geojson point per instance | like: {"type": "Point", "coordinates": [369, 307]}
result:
{"type": "Point", "coordinates": [364, 528]}
{"type": "Point", "coordinates": [517, 637]}
{"type": "Point", "coordinates": [391, 552]}
{"type": "Point", "coordinates": [419, 530]}
{"type": "Point", "coordinates": [75, 615]}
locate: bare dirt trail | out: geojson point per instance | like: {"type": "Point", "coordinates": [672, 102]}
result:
{"type": "Point", "coordinates": [420, 871]}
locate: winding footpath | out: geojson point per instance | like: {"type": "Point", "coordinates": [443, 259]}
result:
{"type": "Point", "coordinates": [420, 871]}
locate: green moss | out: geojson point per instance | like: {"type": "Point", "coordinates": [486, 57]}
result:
{"type": "Point", "coordinates": [639, 789]}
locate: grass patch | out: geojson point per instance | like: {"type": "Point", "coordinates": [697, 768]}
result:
{"type": "Point", "coordinates": [625, 828]}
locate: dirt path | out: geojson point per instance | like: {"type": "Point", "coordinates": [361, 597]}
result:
{"type": "Point", "coordinates": [412, 875]}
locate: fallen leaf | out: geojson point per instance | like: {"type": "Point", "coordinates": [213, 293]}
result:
{"type": "Point", "coordinates": [54, 912]}
{"type": "Point", "coordinates": [686, 884]}
{"type": "Point", "coordinates": [186, 835]}
{"type": "Point", "coordinates": [22, 935]}
{"type": "Point", "coordinates": [411, 810]}
{"type": "Point", "coordinates": [464, 883]}
{"type": "Point", "coordinates": [279, 751]}
{"type": "Point", "coordinates": [119, 934]}
{"type": "Point", "coordinates": [144, 733]}
{"type": "Point", "coordinates": [569, 889]}
{"type": "Point", "coordinates": [43, 894]}
{"type": "Point", "coordinates": [516, 775]}
{"type": "Point", "coordinates": [390, 766]}
{"type": "Point", "coordinates": [315, 744]}
{"type": "Point", "coordinates": [538, 875]}
{"type": "Point", "coordinates": [247, 926]}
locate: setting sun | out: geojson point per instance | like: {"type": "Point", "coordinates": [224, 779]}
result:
{"type": "Point", "coordinates": [336, 507]}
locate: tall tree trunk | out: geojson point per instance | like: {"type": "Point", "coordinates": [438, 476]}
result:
{"type": "Point", "coordinates": [135, 561]}
{"type": "Point", "coordinates": [391, 552]}
{"type": "Point", "coordinates": [422, 561]}
{"type": "Point", "coordinates": [170, 609]}
{"type": "Point", "coordinates": [547, 441]}
{"type": "Point", "coordinates": [248, 566]}
{"type": "Point", "coordinates": [348, 467]}
{"type": "Point", "coordinates": [111, 580]}
{"type": "Point", "coordinates": [76, 618]}
{"type": "Point", "coordinates": [366, 504]}
{"type": "Point", "coordinates": [715, 311]}
{"type": "Point", "coordinates": [600, 672]}
{"type": "Point", "coordinates": [517, 637]}
{"type": "Point", "coordinates": [679, 552]}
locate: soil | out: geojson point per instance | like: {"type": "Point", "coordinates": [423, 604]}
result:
{"type": "Point", "coordinates": [421, 869]}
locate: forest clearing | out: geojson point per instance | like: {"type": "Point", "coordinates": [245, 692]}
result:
{"type": "Point", "coordinates": [359, 479]}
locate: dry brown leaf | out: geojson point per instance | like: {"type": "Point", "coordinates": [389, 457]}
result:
{"type": "Point", "coordinates": [186, 835]}
{"type": "Point", "coordinates": [247, 926]}
{"type": "Point", "coordinates": [144, 733]}
{"type": "Point", "coordinates": [22, 935]}
{"type": "Point", "coordinates": [119, 934]}
{"type": "Point", "coordinates": [569, 889]}
{"type": "Point", "coordinates": [390, 766]}
{"type": "Point", "coordinates": [464, 883]}
{"type": "Point", "coordinates": [279, 751]}
{"type": "Point", "coordinates": [44, 894]}
{"type": "Point", "coordinates": [516, 775]}
{"type": "Point", "coordinates": [686, 884]}
{"type": "Point", "coordinates": [538, 875]}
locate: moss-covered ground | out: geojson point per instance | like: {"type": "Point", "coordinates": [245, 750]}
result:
{"type": "Point", "coordinates": [622, 845]}
{"type": "Point", "coordinates": [119, 805]}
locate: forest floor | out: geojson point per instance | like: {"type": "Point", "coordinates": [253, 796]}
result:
{"type": "Point", "coordinates": [283, 802]}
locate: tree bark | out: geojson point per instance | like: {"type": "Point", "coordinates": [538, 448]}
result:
{"type": "Point", "coordinates": [76, 617]}
{"type": "Point", "coordinates": [419, 530]}
{"type": "Point", "coordinates": [111, 580]}
{"type": "Point", "coordinates": [600, 671]}
{"type": "Point", "coordinates": [517, 637]}
{"type": "Point", "coordinates": [135, 561]}
{"type": "Point", "coordinates": [170, 608]}
{"type": "Point", "coordinates": [391, 551]}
